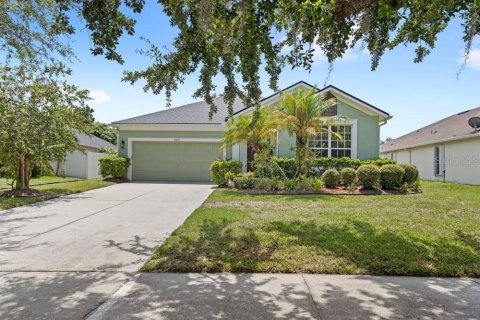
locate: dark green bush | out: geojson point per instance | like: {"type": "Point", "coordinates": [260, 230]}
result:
{"type": "Point", "coordinates": [114, 166]}
{"type": "Point", "coordinates": [331, 178]}
{"type": "Point", "coordinates": [304, 183]}
{"type": "Point", "coordinates": [368, 176]}
{"type": "Point", "coordinates": [290, 184]}
{"type": "Point", "coordinates": [349, 176]}
{"type": "Point", "coordinates": [288, 165]}
{"type": "Point", "coordinates": [262, 184]}
{"type": "Point", "coordinates": [219, 168]}
{"type": "Point", "coordinates": [411, 173]}
{"type": "Point", "coordinates": [243, 183]}
{"type": "Point", "coordinates": [391, 176]}
{"type": "Point", "coordinates": [379, 161]}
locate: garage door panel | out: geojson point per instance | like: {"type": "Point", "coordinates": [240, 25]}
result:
{"type": "Point", "coordinates": [173, 161]}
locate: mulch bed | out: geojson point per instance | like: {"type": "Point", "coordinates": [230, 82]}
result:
{"type": "Point", "coordinates": [22, 193]}
{"type": "Point", "coordinates": [331, 191]}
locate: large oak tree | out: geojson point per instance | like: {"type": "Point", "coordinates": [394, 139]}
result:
{"type": "Point", "coordinates": [238, 37]}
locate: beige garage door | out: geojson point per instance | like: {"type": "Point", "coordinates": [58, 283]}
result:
{"type": "Point", "coordinates": [173, 161]}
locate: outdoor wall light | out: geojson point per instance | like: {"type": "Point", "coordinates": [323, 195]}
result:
{"type": "Point", "coordinates": [122, 144]}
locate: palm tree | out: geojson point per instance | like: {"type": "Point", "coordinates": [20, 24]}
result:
{"type": "Point", "coordinates": [256, 129]}
{"type": "Point", "coordinates": [302, 113]}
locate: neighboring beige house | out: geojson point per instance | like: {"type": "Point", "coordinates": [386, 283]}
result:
{"type": "Point", "coordinates": [447, 150]}
{"type": "Point", "coordinates": [83, 164]}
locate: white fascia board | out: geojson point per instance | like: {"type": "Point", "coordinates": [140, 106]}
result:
{"type": "Point", "coordinates": [170, 127]}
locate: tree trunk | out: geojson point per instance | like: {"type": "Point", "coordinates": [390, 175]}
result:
{"type": "Point", "coordinates": [301, 156]}
{"type": "Point", "coordinates": [23, 178]}
{"type": "Point", "coordinates": [26, 172]}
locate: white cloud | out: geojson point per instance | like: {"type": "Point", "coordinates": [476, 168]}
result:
{"type": "Point", "coordinates": [99, 96]}
{"type": "Point", "coordinates": [473, 60]}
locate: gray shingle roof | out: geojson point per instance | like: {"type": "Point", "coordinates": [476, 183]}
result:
{"type": "Point", "coordinates": [194, 113]}
{"type": "Point", "coordinates": [455, 126]}
{"type": "Point", "coordinates": [93, 142]}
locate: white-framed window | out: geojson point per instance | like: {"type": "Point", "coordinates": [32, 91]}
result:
{"type": "Point", "coordinates": [329, 144]}
{"type": "Point", "coordinates": [341, 141]}
{"type": "Point", "coordinates": [439, 160]}
{"type": "Point", "coordinates": [320, 145]}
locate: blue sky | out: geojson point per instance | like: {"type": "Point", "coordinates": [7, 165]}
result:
{"type": "Point", "coordinates": [415, 94]}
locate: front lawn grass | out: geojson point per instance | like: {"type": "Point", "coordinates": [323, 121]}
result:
{"type": "Point", "coordinates": [53, 190]}
{"type": "Point", "coordinates": [434, 233]}
{"type": "Point", "coordinates": [5, 186]}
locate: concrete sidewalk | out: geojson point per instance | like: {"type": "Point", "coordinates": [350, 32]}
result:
{"type": "Point", "coordinates": [291, 296]}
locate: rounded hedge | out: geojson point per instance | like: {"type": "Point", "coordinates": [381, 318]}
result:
{"type": "Point", "coordinates": [368, 176]}
{"type": "Point", "coordinates": [411, 173]}
{"type": "Point", "coordinates": [331, 178]}
{"type": "Point", "coordinates": [349, 176]}
{"type": "Point", "coordinates": [219, 168]}
{"type": "Point", "coordinates": [391, 176]}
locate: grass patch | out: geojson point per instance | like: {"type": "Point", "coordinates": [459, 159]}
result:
{"type": "Point", "coordinates": [4, 185]}
{"type": "Point", "coordinates": [434, 233]}
{"type": "Point", "coordinates": [53, 190]}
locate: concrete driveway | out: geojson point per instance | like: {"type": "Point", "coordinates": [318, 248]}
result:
{"type": "Point", "coordinates": [73, 252]}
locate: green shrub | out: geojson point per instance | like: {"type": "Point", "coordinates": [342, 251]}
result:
{"type": "Point", "coordinates": [243, 183]}
{"type": "Point", "coordinates": [288, 165]}
{"type": "Point", "coordinates": [304, 183]}
{"type": "Point", "coordinates": [317, 184]}
{"type": "Point", "coordinates": [42, 168]}
{"type": "Point", "coordinates": [391, 176]}
{"type": "Point", "coordinates": [379, 161]}
{"type": "Point", "coordinates": [368, 176]}
{"type": "Point", "coordinates": [331, 178]}
{"type": "Point", "coordinates": [262, 184]}
{"type": "Point", "coordinates": [219, 168]}
{"type": "Point", "coordinates": [349, 177]}
{"type": "Point", "coordinates": [114, 166]}
{"type": "Point", "coordinates": [411, 173]}
{"type": "Point", "coordinates": [290, 184]}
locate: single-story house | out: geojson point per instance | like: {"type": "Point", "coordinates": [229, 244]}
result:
{"type": "Point", "coordinates": [447, 150]}
{"type": "Point", "coordinates": [179, 144]}
{"type": "Point", "coordinates": [83, 164]}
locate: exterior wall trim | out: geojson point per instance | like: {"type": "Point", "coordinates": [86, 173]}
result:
{"type": "Point", "coordinates": [423, 144]}
{"type": "Point", "coordinates": [130, 142]}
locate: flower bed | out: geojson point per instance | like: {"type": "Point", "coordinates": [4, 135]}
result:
{"type": "Point", "coordinates": [368, 179]}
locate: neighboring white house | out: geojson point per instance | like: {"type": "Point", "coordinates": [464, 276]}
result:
{"type": "Point", "coordinates": [83, 164]}
{"type": "Point", "coordinates": [447, 150]}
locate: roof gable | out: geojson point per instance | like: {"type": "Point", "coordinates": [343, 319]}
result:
{"type": "Point", "coordinates": [339, 94]}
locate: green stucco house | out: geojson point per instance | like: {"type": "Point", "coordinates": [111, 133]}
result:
{"type": "Point", "coordinates": [179, 144]}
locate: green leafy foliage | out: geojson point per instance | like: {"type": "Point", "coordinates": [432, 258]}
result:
{"type": "Point", "coordinates": [105, 132]}
{"type": "Point", "coordinates": [219, 168]}
{"type": "Point", "coordinates": [349, 177]}
{"type": "Point", "coordinates": [239, 37]}
{"type": "Point", "coordinates": [369, 176]}
{"type": "Point", "coordinates": [331, 178]}
{"type": "Point", "coordinates": [391, 176]}
{"type": "Point", "coordinates": [411, 173]}
{"type": "Point", "coordinates": [113, 166]}
{"type": "Point", "coordinates": [302, 114]}
{"type": "Point", "coordinates": [244, 183]}
{"type": "Point", "coordinates": [40, 116]}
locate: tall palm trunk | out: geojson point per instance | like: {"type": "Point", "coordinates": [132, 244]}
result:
{"type": "Point", "coordinates": [301, 156]}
